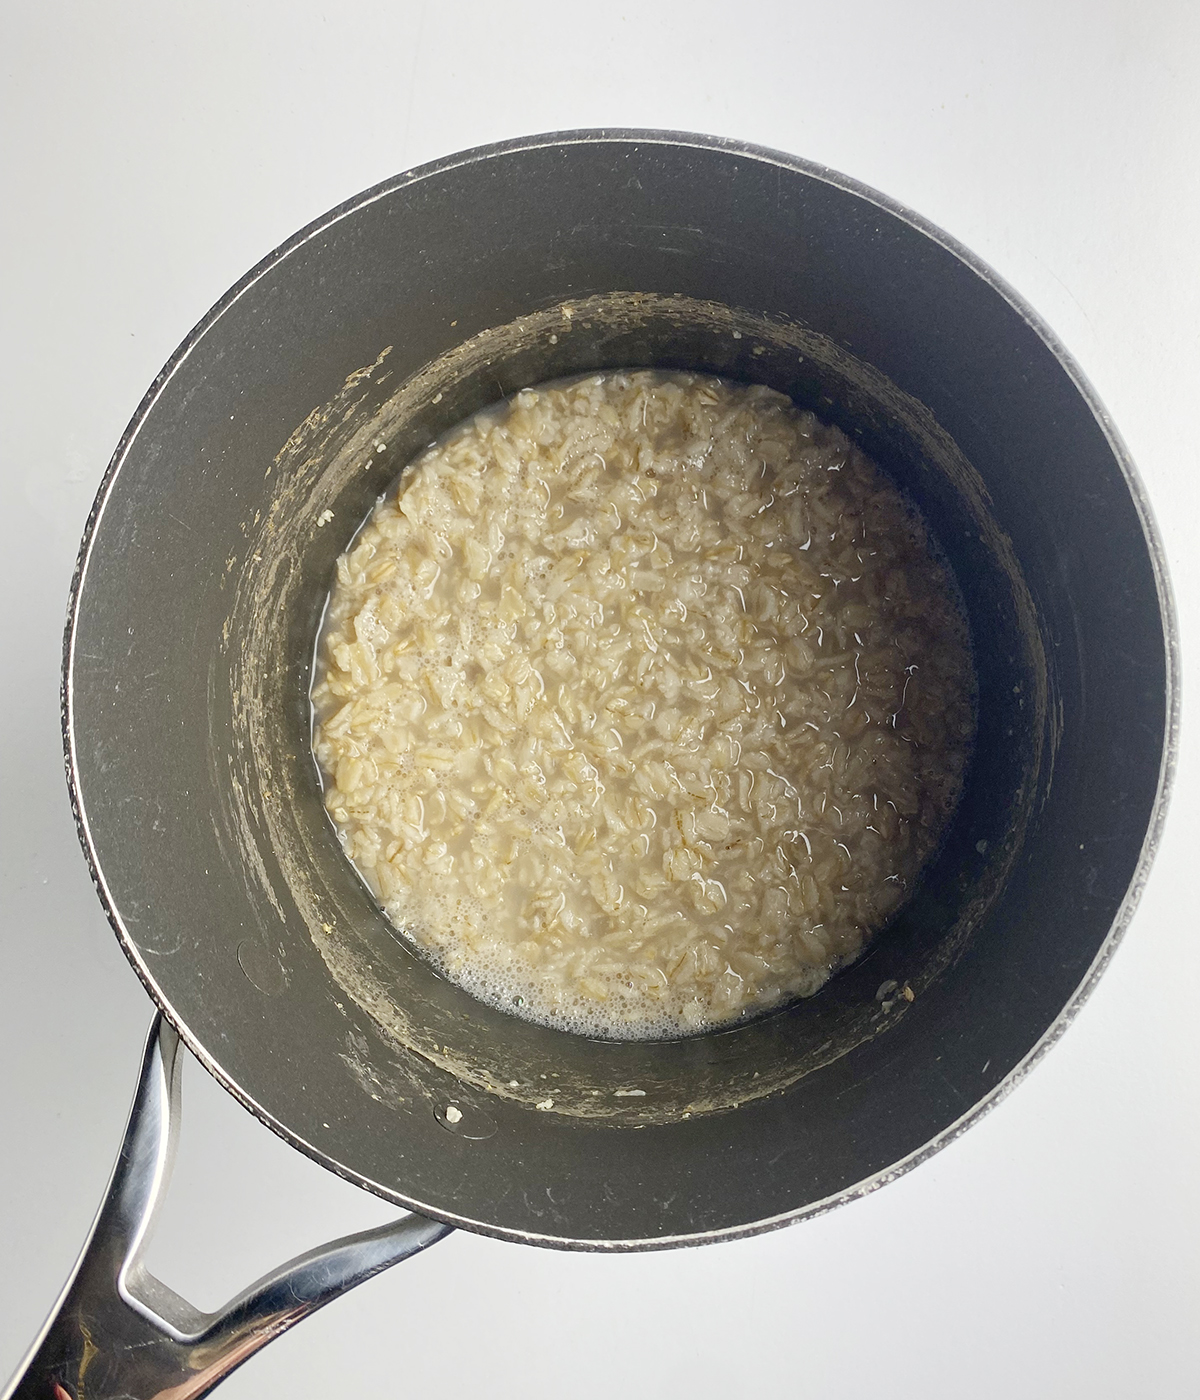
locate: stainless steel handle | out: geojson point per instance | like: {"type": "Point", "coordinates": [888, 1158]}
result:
{"type": "Point", "coordinates": [117, 1333]}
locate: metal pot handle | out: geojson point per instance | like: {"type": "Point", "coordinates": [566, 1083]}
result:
{"type": "Point", "coordinates": [117, 1333]}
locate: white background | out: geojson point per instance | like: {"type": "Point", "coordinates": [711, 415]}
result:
{"type": "Point", "coordinates": [152, 153]}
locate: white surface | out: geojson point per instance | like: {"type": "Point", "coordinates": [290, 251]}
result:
{"type": "Point", "coordinates": [152, 154]}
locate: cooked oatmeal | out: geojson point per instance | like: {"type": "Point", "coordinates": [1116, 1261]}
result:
{"type": "Point", "coordinates": [641, 703]}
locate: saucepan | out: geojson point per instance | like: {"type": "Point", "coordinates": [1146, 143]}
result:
{"type": "Point", "coordinates": [199, 593]}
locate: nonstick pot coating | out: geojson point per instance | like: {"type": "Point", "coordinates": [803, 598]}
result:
{"type": "Point", "coordinates": [199, 593]}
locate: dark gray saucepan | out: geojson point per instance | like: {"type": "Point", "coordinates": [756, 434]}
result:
{"type": "Point", "coordinates": [201, 580]}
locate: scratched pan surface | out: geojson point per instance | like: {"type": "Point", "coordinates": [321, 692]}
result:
{"type": "Point", "coordinates": [200, 588]}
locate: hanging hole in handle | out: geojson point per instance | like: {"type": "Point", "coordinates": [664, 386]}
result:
{"type": "Point", "coordinates": [232, 1210]}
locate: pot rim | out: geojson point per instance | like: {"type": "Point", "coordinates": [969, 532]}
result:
{"type": "Point", "coordinates": [1137, 492]}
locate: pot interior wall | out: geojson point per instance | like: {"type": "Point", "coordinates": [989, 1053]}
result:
{"type": "Point", "coordinates": [499, 1054]}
